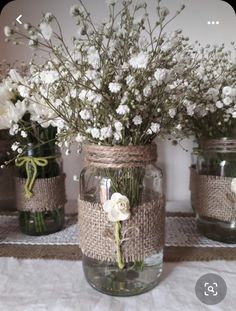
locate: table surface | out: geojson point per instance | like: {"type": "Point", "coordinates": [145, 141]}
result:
{"type": "Point", "coordinates": [58, 285]}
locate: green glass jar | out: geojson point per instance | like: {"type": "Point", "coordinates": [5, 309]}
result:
{"type": "Point", "coordinates": [100, 182]}
{"type": "Point", "coordinates": [41, 207]}
{"type": "Point", "coordinates": [216, 199]}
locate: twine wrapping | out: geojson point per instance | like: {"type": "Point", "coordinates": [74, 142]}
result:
{"type": "Point", "coordinates": [120, 156]}
{"type": "Point", "coordinates": [49, 194]}
{"type": "Point", "coordinates": [223, 145]}
{"type": "Point", "coordinates": [213, 197]}
{"type": "Point", "coordinates": [141, 236]}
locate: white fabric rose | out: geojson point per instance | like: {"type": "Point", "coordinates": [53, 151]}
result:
{"type": "Point", "coordinates": [233, 185]}
{"type": "Point", "coordinates": [117, 208]}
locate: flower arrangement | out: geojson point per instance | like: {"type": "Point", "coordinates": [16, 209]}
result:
{"type": "Point", "coordinates": [118, 83]}
{"type": "Point", "coordinates": [209, 103]}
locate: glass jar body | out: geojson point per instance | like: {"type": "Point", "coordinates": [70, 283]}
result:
{"type": "Point", "coordinates": [45, 220]}
{"type": "Point", "coordinates": [140, 185]}
{"type": "Point", "coordinates": [219, 166]}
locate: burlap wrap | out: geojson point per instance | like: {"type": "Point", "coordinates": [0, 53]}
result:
{"type": "Point", "coordinates": [142, 234]}
{"type": "Point", "coordinates": [48, 194]}
{"type": "Point", "coordinates": [213, 197]}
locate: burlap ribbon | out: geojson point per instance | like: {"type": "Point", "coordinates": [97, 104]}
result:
{"type": "Point", "coordinates": [141, 236]}
{"type": "Point", "coordinates": [49, 194]}
{"type": "Point", "coordinates": [213, 197]}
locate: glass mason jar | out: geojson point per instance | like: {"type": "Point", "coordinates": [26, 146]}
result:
{"type": "Point", "coordinates": [216, 202]}
{"type": "Point", "coordinates": [7, 189]}
{"type": "Point", "coordinates": [41, 207]}
{"type": "Point", "coordinates": [116, 257]}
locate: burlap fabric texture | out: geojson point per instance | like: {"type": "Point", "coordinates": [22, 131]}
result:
{"type": "Point", "coordinates": [142, 235]}
{"type": "Point", "coordinates": [48, 194]}
{"type": "Point", "coordinates": [213, 197]}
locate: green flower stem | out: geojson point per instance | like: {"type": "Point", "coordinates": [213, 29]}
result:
{"type": "Point", "coordinates": [118, 243]}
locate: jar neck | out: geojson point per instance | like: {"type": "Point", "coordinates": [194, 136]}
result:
{"type": "Point", "coordinates": [44, 150]}
{"type": "Point", "coordinates": [120, 156]}
{"type": "Point", "coordinates": [221, 145]}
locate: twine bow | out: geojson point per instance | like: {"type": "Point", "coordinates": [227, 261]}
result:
{"type": "Point", "coordinates": [33, 162]}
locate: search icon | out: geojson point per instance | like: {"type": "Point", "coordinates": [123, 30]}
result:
{"type": "Point", "coordinates": [210, 289]}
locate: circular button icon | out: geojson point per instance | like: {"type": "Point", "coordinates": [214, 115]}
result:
{"type": "Point", "coordinates": [211, 289]}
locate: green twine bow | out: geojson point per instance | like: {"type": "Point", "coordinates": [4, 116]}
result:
{"type": "Point", "coordinates": [34, 163]}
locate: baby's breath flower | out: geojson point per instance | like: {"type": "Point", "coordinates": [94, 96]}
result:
{"type": "Point", "coordinates": [137, 120]}
{"type": "Point", "coordinates": [114, 87]}
{"type": "Point", "coordinates": [8, 31]}
{"type": "Point", "coordinates": [123, 109]}
{"type": "Point", "coordinates": [139, 61]}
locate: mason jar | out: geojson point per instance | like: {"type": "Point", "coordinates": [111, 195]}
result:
{"type": "Point", "coordinates": [40, 189]}
{"type": "Point", "coordinates": [216, 192]}
{"type": "Point", "coordinates": [121, 258]}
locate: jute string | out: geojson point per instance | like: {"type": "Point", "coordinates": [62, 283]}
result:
{"type": "Point", "coordinates": [120, 156]}
{"type": "Point", "coordinates": [49, 194]}
{"type": "Point", "coordinates": [213, 197]}
{"type": "Point", "coordinates": [223, 145]}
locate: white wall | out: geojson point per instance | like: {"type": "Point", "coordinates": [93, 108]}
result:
{"type": "Point", "coordinates": [174, 160]}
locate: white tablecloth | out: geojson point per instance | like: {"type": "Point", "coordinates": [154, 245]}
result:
{"type": "Point", "coordinates": [54, 285]}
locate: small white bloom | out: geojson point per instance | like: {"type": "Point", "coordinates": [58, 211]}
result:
{"type": "Point", "coordinates": [219, 104]}
{"type": "Point", "coordinates": [172, 112]}
{"type": "Point", "coordinates": [227, 90]}
{"type": "Point", "coordinates": [117, 208]}
{"type": "Point", "coordinates": [118, 126]}
{"type": "Point", "coordinates": [19, 150]}
{"type": "Point", "coordinates": [15, 76]}
{"type": "Point", "coordinates": [114, 87]}
{"type": "Point", "coordinates": [48, 17]}
{"type": "Point", "coordinates": [137, 120]}
{"type": "Point", "coordinates": [95, 132]}
{"type": "Point", "coordinates": [46, 30]}
{"type": "Point", "coordinates": [93, 57]}
{"type": "Point", "coordinates": [179, 127]}
{"type": "Point", "coordinates": [23, 134]}
{"type": "Point", "coordinates": [147, 91]}
{"type": "Point", "coordinates": [57, 103]}
{"type": "Point", "coordinates": [8, 31]}
{"type": "Point", "coordinates": [23, 91]}
{"type": "Point", "coordinates": [161, 75]}
{"type": "Point", "coordinates": [155, 127]}
{"type": "Point", "coordinates": [139, 61]}
{"type": "Point", "coordinates": [106, 132]}
{"type": "Point", "coordinates": [85, 114]}
{"type": "Point", "coordinates": [123, 109]}
{"type": "Point", "coordinates": [234, 114]}
{"type": "Point", "coordinates": [49, 76]}
{"type": "Point", "coordinates": [74, 10]}
{"type": "Point", "coordinates": [15, 146]}
{"type": "Point", "coordinates": [82, 95]}
{"type": "Point", "coordinates": [227, 101]}
{"type": "Point", "coordinates": [233, 185]}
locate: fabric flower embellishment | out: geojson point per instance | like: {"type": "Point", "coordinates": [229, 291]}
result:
{"type": "Point", "coordinates": [117, 208]}
{"type": "Point", "coordinates": [233, 185]}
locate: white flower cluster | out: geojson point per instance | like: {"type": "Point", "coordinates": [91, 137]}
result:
{"type": "Point", "coordinates": [116, 85]}
{"type": "Point", "coordinates": [209, 105]}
